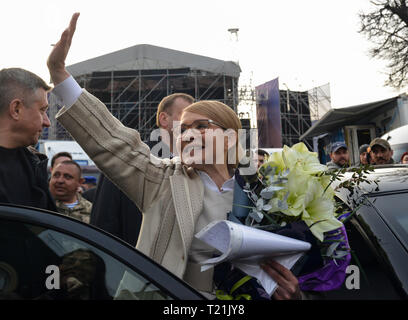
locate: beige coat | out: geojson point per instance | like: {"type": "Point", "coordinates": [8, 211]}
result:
{"type": "Point", "coordinates": [169, 198]}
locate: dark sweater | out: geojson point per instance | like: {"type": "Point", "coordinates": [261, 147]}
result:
{"type": "Point", "coordinates": [24, 179]}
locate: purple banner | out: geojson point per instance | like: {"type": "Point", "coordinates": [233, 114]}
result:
{"type": "Point", "coordinates": [268, 115]}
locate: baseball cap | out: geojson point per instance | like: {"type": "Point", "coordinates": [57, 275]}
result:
{"type": "Point", "coordinates": [363, 148]}
{"type": "Point", "coordinates": [380, 142]}
{"type": "Point", "coordinates": [337, 145]}
{"type": "Point", "coordinates": [90, 179]}
{"type": "Point", "coordinates": [262, 152]}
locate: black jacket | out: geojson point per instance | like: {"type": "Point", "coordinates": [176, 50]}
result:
{"type": "Point", "coordinates": [114, 212]}
{"type": "Point", "coordinates": [89, 194]}
{"type": "Point", "coordinates": [24, 178]}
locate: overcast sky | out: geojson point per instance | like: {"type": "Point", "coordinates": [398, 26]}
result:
{"type": "Point", "coordinates": [304, 43]}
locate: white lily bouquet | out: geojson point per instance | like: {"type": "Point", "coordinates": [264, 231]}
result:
{"type": "Point", "coordinates": [291, 195]}
{"type": "Point", "coordinates": [291, 186]}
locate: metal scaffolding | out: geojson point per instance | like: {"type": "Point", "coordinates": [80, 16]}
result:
{"type": "Point", "coordinates": [295, 117]}
{"type": "Point", "coordinates": [297, 110]}
{"type": "Point", "coordinates": [319, 101]}
{"type": "Point", "coordinates": [247, 104]}
{"type": "Point", "coordinates": [133, 95]}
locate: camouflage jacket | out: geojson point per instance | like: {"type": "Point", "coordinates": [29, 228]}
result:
{"type": "Point", "coordinates": [81, 211]}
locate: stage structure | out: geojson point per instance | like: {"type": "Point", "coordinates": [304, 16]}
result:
{"type": "Point", "coordinates": [298, 111]}
{"type": "Point", "coordinates": [131, 82]}
{"type": "Point", "coordinates": [295, 117]}
{"type": "Point", "coordinates": [319, 101]}
{"type": "Point", "coordinates": [247, 103]}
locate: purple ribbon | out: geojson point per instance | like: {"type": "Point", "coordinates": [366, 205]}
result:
{"type": "Point", "coordinates": [332, 275]}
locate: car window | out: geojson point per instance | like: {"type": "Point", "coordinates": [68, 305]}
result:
{"type": "Point", "coordinates": [394, 210]}
{"type": "Point", "coordinates": [370, 279]}
{"type": "Point", "coordinates": [41, 263]}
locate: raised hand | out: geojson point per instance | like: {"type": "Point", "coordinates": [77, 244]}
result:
{"type": "Point", "coordinates": [56, 59]}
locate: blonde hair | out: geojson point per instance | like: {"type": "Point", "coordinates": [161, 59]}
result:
{"type": "Point", "coordinates": [224, 116]}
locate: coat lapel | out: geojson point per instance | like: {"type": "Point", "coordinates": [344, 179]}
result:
{"type": "Point", "coordinates": [188, 196]}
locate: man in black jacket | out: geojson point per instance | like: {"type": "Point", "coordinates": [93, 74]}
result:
{"type": "Point", "coordinates": [112, 210]}
{"type": "Point", "coordinates": [23, 171]}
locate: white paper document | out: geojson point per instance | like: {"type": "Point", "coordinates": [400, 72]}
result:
{"type": "Point", "coordinates": [245, 247]}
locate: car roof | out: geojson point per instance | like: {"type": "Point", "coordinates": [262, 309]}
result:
{"type": "Point", "coordinates": [396, 136]}
{"type": "Point", "coordinates": [390, 178]}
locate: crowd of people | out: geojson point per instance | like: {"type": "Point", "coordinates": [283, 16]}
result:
{"type": "Point", "coordinates": [176, 192]}
{"type": "Point", "coordinates": [378, 152]}
{"type": "Point", "coordinates": [175, 196]}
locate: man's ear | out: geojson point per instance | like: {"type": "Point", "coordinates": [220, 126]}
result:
{"type": "Point", "coordinates": [81, 180]}
{"type": "Point", "coordinates": [15, 108]}
{"type": "Point", "coordinates": [163, 120]}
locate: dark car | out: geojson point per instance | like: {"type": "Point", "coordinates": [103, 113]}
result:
{"type": "Point", "coordinates": [44, 255]}
{"type": "Point", "coordinates": [41, 250]}
{"type": "Point", "coordinates": [378, 236]}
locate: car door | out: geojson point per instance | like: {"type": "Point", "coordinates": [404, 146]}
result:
{"type": "Point", "coordinates": [44, 255]}
{"type": "Point", "coordinates": [378, 254]}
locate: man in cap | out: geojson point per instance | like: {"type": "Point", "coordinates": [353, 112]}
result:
{"type": "Point", "coordinates": [89, 188]}
{"type": "Point", "coordinates": [380, 152]}
{"type": "Point", "coordinates": [363, 154]}
{"type": "Point", "coordinates": [339, 156]}
{"type": "Point", "coordinates": [89, 183]}
{"type": "Point", "coordinates": [262, 157]}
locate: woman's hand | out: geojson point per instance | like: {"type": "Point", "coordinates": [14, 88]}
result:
{"type": "Point", "coordinates": [288, 285]}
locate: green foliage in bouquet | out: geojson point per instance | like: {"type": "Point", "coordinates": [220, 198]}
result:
{"type": "Point", "coordinates": [358, 177]}
{"type": "Point", "coordinates": [292, 185]}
